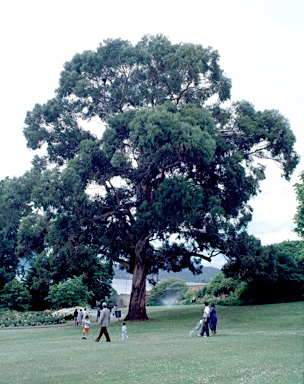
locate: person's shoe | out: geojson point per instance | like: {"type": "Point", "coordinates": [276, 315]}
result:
{"type": "Point", "coordinates": [108, 341]}
{"type": "Point", "coordinates": [96, 341]}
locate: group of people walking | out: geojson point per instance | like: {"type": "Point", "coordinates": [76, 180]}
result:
{"type": "Point", "coordinates": [82, 317]}
{"type": "Point", "coordinates": [79, 316]}
{"type": "Point", "coordinates": [209, 319]}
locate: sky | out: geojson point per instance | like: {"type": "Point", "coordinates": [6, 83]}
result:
{"type": "Point", "coordinates": [260, 43]}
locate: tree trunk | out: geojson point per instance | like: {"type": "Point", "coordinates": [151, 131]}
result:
{"type": "Point", "coordinates": [137, 306]}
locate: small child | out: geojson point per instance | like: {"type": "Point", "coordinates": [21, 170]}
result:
{"type": "Point", "coordinates": [86, 327]}
{"type": "Point", "coordinates": [124, 335]}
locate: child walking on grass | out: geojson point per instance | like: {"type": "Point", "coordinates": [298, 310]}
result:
{"type": "Point", "coordinates": [86, 327]}
{"type": "Point", "coordinates": [124, 335]}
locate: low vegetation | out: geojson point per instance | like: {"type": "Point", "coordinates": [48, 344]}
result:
{"type": "Point", "coordinates": [27, 319]}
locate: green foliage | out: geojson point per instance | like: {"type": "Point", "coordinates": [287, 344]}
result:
{"type": "Point", "coordinates": [168, 292]}
{"type": "Point", "coordinates": [14, 194]}
{"type": "Point", "coordinates": [189, 297]}
{"type": "Point", "coordinates": [63, 256]}
{"type": "Point", "coordinates": [299, 217]}
{"type": "Point", "coordinates": [218, 286]}
{"type": "Point", "coordinates": [68, 294]}
{"type": "Point", "coordinates": [26, 319]}
{"type": "Point", "coordinates": [169, 163]}
{"type": "Point", "coordinates": [38, 279]}
{"type": "Point", "coordinates": [259, 274]}
{"type": "Point", "coordinates": [241, 288]}
{"type": "Point", "coordinates": [272, 273]}
{"type": "Point", "coordinates": [15, 296]}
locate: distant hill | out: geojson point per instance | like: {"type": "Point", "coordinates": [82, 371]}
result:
{"type": "Point", "coordinates": [207, 275]}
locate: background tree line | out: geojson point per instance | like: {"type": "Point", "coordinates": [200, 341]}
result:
{"type": "Point", "coordinates": [270, 274]}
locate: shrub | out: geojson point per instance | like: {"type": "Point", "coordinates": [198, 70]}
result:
{"type": "Point", "coordinates": [220, 285]}
{"type": "Point", "coordinates": [25, 319]}
{"type": "Point", "coordinates": [15, 296]}
{"type": "Point", "coordinates": [169, 291]}
{"type": "Point", "coordinates": [70, 293]}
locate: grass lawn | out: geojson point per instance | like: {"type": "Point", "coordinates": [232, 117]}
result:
{"type": "Point", "coordinates": [254, 344]}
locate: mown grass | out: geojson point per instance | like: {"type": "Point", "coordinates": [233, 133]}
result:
{"type": "Point", "coordinates": [256, 344]}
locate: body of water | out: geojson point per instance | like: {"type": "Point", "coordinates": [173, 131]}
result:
{"type": "Point", "coordinates": [125, 285]}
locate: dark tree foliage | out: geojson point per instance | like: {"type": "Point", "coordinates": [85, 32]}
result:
{"type": "Point", "coordinates": [49, 246]}
{"type": "Point", "coordinates": [15, 296]}
{"type": "Point", "coordinates": [299, 217]}
{"type": "Point", "coordinates": [14, 198]}
{"type": "Point", "coordinates": [70, 293]}
{"type": "Point", "coordinates": [38, 280]}
{"type": "Point", "coordinates": [273, 273]}
{"type": "Point", "coordinates": [174, 170]}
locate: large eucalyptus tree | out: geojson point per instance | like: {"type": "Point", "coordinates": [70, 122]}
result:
{"type": "Point", "coordinates": [173, 170]}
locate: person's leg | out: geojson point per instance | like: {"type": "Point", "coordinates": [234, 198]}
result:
{"type": "Point", "coordinates": [107, 334]}
{"type": "Point", "coordinates": [207, 328]}
{"type": "Point", "coordinates": [211, 324]}
{"type": "Point", "coordinates": [203, 329]}
{"type": "Point", "coordinates": [101, 332]}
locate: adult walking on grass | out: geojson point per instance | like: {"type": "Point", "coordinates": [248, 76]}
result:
{"type": "Point", "coordinates": [213, 318]}
{"type": "Point", "coordinates": [206, 320]}
{"type": "Point", "coordinates": [104, 322]}
{"type": "Point", "coordinates": [75, 317]}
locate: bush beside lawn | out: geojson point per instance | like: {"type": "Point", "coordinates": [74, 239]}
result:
{"type": "Point", "coordinates": [26, 319]}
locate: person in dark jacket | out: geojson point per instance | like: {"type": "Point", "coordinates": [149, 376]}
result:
{"type": "Point", "coordinates": [76, 317]}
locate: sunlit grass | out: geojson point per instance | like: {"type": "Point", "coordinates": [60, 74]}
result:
{"type": "Point", "coordinates": [256, 344]}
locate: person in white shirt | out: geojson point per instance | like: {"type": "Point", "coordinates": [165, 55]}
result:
{"type": "Point", "coordinates": [206, 320]}
{"type": "Point", "coordinates": [84, 313]}
{"type": "Point", "coordinates": [86, 327]}
{"type": "Point", "coordinates": [124, 335]}
{"type": "Point", "coordinates": [80, 317]}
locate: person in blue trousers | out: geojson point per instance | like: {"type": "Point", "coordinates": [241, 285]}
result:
{"type": "Point", "coordinates": [206, 318]}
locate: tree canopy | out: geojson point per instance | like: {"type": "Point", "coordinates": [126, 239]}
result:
{"type": "Point", "coordinates": [272, 273]}
{"type": "Point", "coordinates": [174, 169]}
{"type": "Point", "coordinates": [299, 217]}
{"type": "Point", "coordinates": [14, 198]}
{"type": "Point", "coordinates": [15, 296]}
